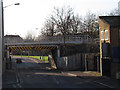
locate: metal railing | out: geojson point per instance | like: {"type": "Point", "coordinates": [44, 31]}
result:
{"type": "Point", "coordinates": [68, 39]}
{"type": "Point", "coordinates": [75, 39]}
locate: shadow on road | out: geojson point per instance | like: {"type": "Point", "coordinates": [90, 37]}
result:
{"type": "Point", "coordinates": [30, 74]}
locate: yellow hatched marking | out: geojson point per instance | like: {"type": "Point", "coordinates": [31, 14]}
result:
{"type": "Point", "coordinates": [27, 48]}
{"type": "Point", "coordinates": [30, 48]}
{"type": "Point", "coordinates": [19, 48]}
{"type": "Point", "coordinates": [40, 48]}
{"type": "Point", "coordinates": [15, 48]}
{"type": "Point", "coordinates": [24, 48]}
{"type": "Point", "coordinates": [36, 48]}
{"type": "Point", "coordinates": [12, 48]}
{"type": "Point", "coordinates": [54, 47]}
{"type": "Point", "coordinates": [51, 47]}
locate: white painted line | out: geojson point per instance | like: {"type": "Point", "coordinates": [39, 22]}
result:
{"type": "Point", "coordinates": [19, 86]}
{"type": "Point", "coordinates": [14, 86]}
{"type": "Point", "coordinates": [103, 84]}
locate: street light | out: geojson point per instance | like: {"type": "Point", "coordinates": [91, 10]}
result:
{"type": "Point", "coordinates": [11, 5]}
{"type": "Point", "coordinates": [3, 23]}
{"type": "Point", "coordinates": [2, 38]}
{"type": "Point", "coordinates": [3, 49]}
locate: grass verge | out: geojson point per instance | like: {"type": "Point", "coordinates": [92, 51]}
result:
{"type": "Point", "coordinates": [42, 58]}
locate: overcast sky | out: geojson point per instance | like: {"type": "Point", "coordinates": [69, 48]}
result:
{"type": "Point", "coordinates": [30, 15]}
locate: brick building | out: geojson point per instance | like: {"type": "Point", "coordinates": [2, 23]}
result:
{"type": "Point", "coordinates": [110, 45]}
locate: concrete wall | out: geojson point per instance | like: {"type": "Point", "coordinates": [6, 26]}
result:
{"type": "Point", "coordinates": [77, 62]}
{"type": "Point", "coordinates": [69, 62]}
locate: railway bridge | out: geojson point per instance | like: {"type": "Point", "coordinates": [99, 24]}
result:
{"type": "Point", "coordinates": [51, 43]}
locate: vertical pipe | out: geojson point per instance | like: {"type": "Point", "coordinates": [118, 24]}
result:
{"type": "Point", "coordinates": [1, 41]}
{"type": "Point", "coordinates": [85, 63]}
{"type": "Point", "coordinates": [58, 51]}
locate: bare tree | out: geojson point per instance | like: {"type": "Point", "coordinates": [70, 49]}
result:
{"type": "Point", "coordinates": [30, 36]}
{"type": "Point", "coordinates": [60, 23]}
{"type": "Point", "coordinates": [48, 29]}
{"type": "Point", "coordinates": [114, 12]}
{"type": "Point", "coordinates": [62, 19]}
{"type": "Point", "coordinates": [76, 24]}
{"type": "Point", "coordinates": [90, 24]}
{"type": "Point", "coordinates": [64, 22]}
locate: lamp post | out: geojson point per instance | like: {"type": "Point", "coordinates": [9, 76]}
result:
{"type": "Point", "coordinates": [8, 61]}
{"type": "Point", "coordinates": [1, 43]}
{"type": "Point", "coordinates": [3, 21]}
{"type": "Point", "coordinates": [11, 5]}
{"type": "Point", "coordinates": [2, 38]}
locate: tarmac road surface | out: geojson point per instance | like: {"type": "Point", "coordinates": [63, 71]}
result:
{"type": "Point", "coordinates": [31, 74]}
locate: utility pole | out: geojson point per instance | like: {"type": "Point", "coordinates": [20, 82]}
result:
{"type": "Point", "coordinates": [1, 41]}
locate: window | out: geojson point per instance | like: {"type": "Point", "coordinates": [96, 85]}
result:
{"type": "Point", "coordinates": [106, 34]}
{"type": "Point", "coordinates": [102, 35]}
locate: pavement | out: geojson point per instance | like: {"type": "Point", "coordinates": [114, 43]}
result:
{"type": "Point", "coordinates": [9, 77]}
{"type": "Point", "coordinates": [91, 76]}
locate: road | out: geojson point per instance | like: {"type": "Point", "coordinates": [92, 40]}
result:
{"type": "Point", "coordinates": [34, 74]}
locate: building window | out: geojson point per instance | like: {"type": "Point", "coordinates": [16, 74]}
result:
{"type": "Point", "coordinates": [102, 35]}
{"type": "Point", "coordinates": [106, 34]}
